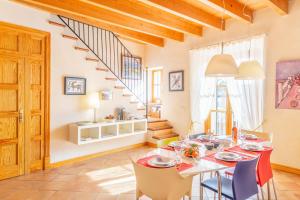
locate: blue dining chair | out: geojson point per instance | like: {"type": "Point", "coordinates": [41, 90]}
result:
{"type": "Point", "coordinates": [242, 185]}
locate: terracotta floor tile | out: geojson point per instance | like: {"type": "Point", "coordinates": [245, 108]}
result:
{"type": "Point", "coordinates": [110, 177]}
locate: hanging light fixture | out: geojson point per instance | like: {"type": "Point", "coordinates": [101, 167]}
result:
{"type": "Point", "coordinates": [251, 69]}
{"type": "Point", "coordinates": [221, 65]}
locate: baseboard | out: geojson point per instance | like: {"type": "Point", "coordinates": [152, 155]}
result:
{"type": "Point", "coordinates": [285, 168]}
{"type": "Point", "coordinates": [90, 156]}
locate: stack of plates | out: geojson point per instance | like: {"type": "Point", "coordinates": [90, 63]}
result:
{"type": "Point", "coordinates": [250, 137]}
{"type": "Point", "coordinates": [252, 147]}
{"type": "Point", "coordinates": [228, 156]}
{"type": "Point", "coordinates": [161, 162]}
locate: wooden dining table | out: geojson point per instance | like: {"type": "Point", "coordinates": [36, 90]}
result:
{"type": "Point", "coordinates": [202, 165]}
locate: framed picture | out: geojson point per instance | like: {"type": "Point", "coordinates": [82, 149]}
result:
{"type": "Point", "coordinates": [75, 86]}
{"type": "Point", "coordinates": [131, 67]}
{"type": "Point", "coordinates": [288, 85]}
{"type": "Point", "coordinates": [106, 95]}
{"type": "Point", "coordinates": [176, 81]}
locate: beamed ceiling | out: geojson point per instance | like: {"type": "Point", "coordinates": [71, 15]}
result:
{"type": "Point", "coordinates": [152, 21]}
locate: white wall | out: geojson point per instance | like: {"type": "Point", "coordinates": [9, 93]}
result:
{"type": "Point", "coordinates": [282, 43]}
{"type": "Point", "coordinates": [67, 61]}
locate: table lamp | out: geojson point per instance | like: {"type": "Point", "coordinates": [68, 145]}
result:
{"type": "Point", "coordinates": [94, 103]}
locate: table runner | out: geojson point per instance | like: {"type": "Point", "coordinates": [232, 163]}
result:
{"type": "Point", "coordinates": [181, 167]}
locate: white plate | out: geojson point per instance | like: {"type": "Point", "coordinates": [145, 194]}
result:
{"type": "Point", "coordinates": [227, 156]}
{"type": "Point", "coordinates": [250, 137]}
{"type": "Point", "coordinates": [161, 162]}
{"type": "Point", "coordinates": [252, 147]}
{"type": "Point", "coordinates": [176, 144]}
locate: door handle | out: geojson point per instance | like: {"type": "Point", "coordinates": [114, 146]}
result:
{"type": "Point", "coordinates": [21, 116]}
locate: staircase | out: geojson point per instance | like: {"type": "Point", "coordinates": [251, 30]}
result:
{"type": "Point", "coordinates": [103, 46]}
{"type": "Point", "coordinates": [160, 133]}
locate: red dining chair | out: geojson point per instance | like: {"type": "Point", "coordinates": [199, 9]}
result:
{"type": "Point", "coordinates": [263, 172]}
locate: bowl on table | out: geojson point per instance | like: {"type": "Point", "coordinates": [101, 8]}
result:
{"type": "Point", "coordinates": [209, 146]}
{"type": "Point", "coordinates": [228, 156]}
{"type": "Point", "coordinates": [161, 162]}
{"type": "Point", "coordinates": [252, 147]}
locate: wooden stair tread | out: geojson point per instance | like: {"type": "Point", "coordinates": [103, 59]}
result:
{"type": "Point", "coordinates": [69, 37]}
{"type": "Point", "coordinates": [158, 128]}
{"type": "Point", "coordinates": [92, 59]}
{"type": "Point", "coordinates": [102, 69]}
{"type": "Point", "coordinates": [81, 48]}
{"type": "Point", "coordinates": [56, 23]}
{"type": "Point", "coordinates": [156, 120]}
{"type": "Point", "coordinates": [165, 136]}
{"type": "Point", "coordinates": [119, 87]}
{"type": "Point", "coordinates": [141, 109]}
{"type": "Point", "coordinates": [111, 79]}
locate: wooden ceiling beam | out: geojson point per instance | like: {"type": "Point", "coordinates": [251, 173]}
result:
{"type": "Point", "coordinates": [142, 11]}
{"type": "Point", "coordinates": [126, 33]}
{"type": "Point", "coordinates": [233, 8]}
{"type": "Point", "coordinates": [188, 11]}
{"type": "Point", "coordinates": [280, 6]}
{"type": "Point", "coordinates": [104, 15]}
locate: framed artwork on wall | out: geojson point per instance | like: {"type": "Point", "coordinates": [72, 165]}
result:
{"type": "Point", "coordinates": [176, 81]}
{"type": "Point", "coordinates": [287, 85]}
{"type": "Point", "coordinates": [131, 67]}
{"type": "Point", "coordinates": [75, 86]}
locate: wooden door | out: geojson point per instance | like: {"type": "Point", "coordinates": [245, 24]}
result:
{"type": "Point", "coordinates": [11, 104]}
{"type": "Point", "coordinates": [22, 100]}
{"type": "Point", "coordinates": [34, 110]}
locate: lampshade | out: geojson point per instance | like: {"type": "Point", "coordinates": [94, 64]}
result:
{"type": "Point", "coordinates": [222, 65]}
{"type": "Point", "coordinates": [250, 70]}
{"type": "Point", "coordinates": [94, 101]}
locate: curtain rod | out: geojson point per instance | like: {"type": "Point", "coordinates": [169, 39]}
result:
{"type": "Point", "coordinates": [232, 40]}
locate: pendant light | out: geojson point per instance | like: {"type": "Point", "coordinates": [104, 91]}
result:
{"type": "Point", "coordinates": [221, 65]}
{"type": "Point", "coordinates": [251, 69]}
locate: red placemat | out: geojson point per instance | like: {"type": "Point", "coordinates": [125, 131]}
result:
{"type": "Point", "coordinates": [180, 167]}
{"type": "Point", "coordinates": [168, 148]}
{"type": "Point", "coordinates": [227, 163]}
{"type": "Point", "coordinates": [239, 149]}
{"type": "Point", "coordinates": [213, 159]}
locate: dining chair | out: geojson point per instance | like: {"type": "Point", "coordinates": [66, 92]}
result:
{"type": "Point", "coordinates": [263, 135]}
{"type": "Point", "coordinates": [161, 184]}
{"type": "Point", "coordinates": [264, 172]}
{"type": "Point", "coordinates": [242, 185]}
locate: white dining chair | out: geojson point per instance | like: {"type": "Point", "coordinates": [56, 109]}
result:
{"type": "Point", "coordinates": [161, 184]}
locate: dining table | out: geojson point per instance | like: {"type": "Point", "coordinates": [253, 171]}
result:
{"type": "Point", "coordinates": [206, 161]}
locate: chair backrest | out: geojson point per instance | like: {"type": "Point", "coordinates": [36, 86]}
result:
{"type": "Point", "coordinates": [264, 169]}
{"type": "Point", "coordinates": [156, 183]}
{"type": "Point", "coordinates": [244, 179]}
{"type": "Point", "coordinates": [263, 135]}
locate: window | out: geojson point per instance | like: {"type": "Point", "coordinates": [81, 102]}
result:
{"type": "Point", "coordinates": [219, 120]}
{"type": "Point", "coordinates": [156, 85]}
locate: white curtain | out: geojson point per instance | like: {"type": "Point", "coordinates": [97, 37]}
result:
{"type": "Point", "coordinates": [202, 89]}
{"type": "Point", "coordinates": [247, 96]}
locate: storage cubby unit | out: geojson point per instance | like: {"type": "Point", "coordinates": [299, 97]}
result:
{"type": "Point", "coordinates": [88, 134]}
{"type": "Point", "coordinates": [125, 128]}
{"type": "Point", "coordinates": [108, 131]}
{"type": "Point", "coordinates": [140, 126]}
{"type": "Point", "coordinates": [96, 132]}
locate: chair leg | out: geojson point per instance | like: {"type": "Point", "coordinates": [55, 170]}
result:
{"type": "Point", "coordinates": [262, 193]}
{"type": "Point", "coordinates": [257, 196]}
{"type": "Point", "coordinates": [201, 188]}
{"type": "Point", "coordinates": [274, 188]}
{"type": "Point", "coordinates": [268, 188]}
{"type": "Point", "coordinates": [138, 194]}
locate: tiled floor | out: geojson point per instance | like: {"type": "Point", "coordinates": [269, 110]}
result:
{"type": "Point", "coordinates": [106, 178]}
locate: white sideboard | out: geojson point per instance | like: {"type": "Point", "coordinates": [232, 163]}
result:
{"type": "Point", "coordinates": [96, 132]}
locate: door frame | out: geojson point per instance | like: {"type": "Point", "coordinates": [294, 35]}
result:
{"type": "Point", "coordinates": [47, 35]}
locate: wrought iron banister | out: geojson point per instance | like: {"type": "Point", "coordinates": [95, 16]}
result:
{"type": "Point", "coordinates": [108, 48]}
